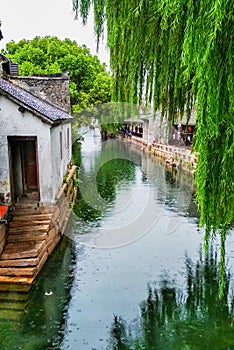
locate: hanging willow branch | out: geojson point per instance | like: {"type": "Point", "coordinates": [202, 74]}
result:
{"type": "Point", "coordinates": [178, 54]}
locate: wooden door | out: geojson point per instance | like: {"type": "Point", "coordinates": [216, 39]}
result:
{"type": "Point", "coordinates": [23, 167]}
{"type": "Point", "coordinates": [30, 166]}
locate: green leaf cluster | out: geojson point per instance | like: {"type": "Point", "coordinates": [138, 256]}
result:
{"type": "Point", "coordinates": [178, 55]}
{"type": "Point", "coordinates": [90, 83]}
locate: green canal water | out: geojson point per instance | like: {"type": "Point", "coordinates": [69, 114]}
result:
{"type": "Point", "coordinates": [130, 272]}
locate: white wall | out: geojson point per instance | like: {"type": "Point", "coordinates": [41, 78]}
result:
{"type": "Point", "coordinates": [155, 128]}
{"type": "Point", "coordinates": [61, 153]}
{"type": "Point", "coordinates": [51, 167]}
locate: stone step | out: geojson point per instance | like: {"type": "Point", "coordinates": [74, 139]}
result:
{"type": "Point", "coordinates": [32, 235]}
{"type": "Point", "coordinates": [18, 271]}
{"type": "Point", "coordinates": [27, 222]}
{"type": "Point", "coordinates": [28, 211]}
{"type": "Point", "coordinates": [13, 297]}
{"type": "Point", "coordinates": [13, 316]}
{"type": "Point", "coordinates": [12, 305]}
{"type": "Point", "coordinates": [14, 287]}
{"type": "Point", "coordinates": [29, 229]}
{"type": "Point", "coordinates": [27, 236]}
{"type": "Point", "coordinates": [19, 263]}
{"type": "Point", "coordinates": [16, 280]}
{"type": "Point", "coordinates": [27, 206]}
{"type": "Point", "coordinates": [38, 217]}
{"type": "Point", "coordinates": [23, 250]}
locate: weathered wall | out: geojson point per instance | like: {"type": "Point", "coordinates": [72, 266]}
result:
{"type": "Point", "coordinates": [3, 237]}
{"type": "Point", "coordinates": [51, 88]}
{"type": "Point", "coordinates": [15, 123]}
{"type": "Point", "coordinates": [61, 153]}
{"type": "Point", "coordinates": [51, 167]}
{"type": "Point", "coordinates": [154, 128]}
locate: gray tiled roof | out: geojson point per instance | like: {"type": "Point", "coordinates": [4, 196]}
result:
{"type": "Point", "coordinates": [4, 58]}
{"type": "Point", "coordinates": [28, 100]}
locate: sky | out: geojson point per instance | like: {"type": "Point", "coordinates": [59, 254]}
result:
{"type": "Point", "coordinates": [25, 19]}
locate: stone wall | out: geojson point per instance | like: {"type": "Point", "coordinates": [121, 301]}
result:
{"type": "Point", "coordinates": [61, 210]}
{"type": "Point", "coordinates": [3, 236]}
{"type": "Point", "coordinates": [53, 88]}
{"type": "Point", "coordinates": [181, 158]}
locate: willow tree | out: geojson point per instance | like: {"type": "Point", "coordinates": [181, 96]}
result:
{"type": "Point", "coordinates": [178, 54]}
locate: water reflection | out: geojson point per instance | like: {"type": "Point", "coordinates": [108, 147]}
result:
{"type": "Point", "coordinates": [142, 184]}
{"type": "Point", "coordinates": [108, 177]}
{"type": "Point", "coordinates": [112, 279]}
{"type": "Point", "coordinates": [173, 319]}
{"type": "Point", "coordinates": [35, 319]}
{"type": "Point", "coordinates": [107, 164]}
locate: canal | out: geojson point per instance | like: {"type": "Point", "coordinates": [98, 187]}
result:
{"type": "Point", "coordinates": [131, 272]}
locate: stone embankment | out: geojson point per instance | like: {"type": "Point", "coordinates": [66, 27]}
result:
{"type": "Point", "coordinates": [177, 156]}
{"type": "Point", "coordinates": [34, 232]}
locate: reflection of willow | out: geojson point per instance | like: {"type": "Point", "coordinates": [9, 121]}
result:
{"type": "Point", "coordinates": [170, 320]}
{"type": "Point", "coordinates": [108, 177]}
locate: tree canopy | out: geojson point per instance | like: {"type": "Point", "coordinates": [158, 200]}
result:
{"type": "Point", "coordinates": [178, 54]}
{"type": "Point", "coordinates": [89, 81]}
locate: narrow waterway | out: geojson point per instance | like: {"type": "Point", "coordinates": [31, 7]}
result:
{"type": "Point", "coordinates": [131, 272]}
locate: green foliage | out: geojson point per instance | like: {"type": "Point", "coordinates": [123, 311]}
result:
{"type": "Point", "coordinates": [178, 54]}
{"type": "Point", "coordinates": [90, 83]}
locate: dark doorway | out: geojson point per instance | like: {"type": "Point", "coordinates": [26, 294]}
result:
{"type": "Point", "coordinates": [23, 167]}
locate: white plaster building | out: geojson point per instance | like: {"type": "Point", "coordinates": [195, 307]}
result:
{"type": "Point", "coordinates": [35, 138]}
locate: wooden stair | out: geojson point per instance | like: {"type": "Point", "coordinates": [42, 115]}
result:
{"type": "Point", "coordinates": [27, 249]}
